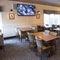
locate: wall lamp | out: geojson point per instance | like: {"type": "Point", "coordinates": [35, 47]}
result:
{"type": "Point", "coordinates": [11, 9]}
{"type": "Point", "coordinates": [38, 15]}
{"type": "Point", "coordinates": [38, 12]}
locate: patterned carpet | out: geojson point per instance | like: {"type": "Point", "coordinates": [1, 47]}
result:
{"type": "Point", "coordinates": [15, 50]}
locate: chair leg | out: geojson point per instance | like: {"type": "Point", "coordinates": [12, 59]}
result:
{"type": "Point", "coordinates": [3, 48]}
{"type": "Point", "coordinates": [50, 52]}
{"type": "Point", "coordinates": [33, 48]}
{"type": "Point", "coordinates": [40, 55]}
{"type": "Point", "coordinates": [55, 47]}
{"type": "Point", "coordinates": [21, 39]}
{"type": "Point", "coordinates": [29, 45]}
{"type": "Point", "coordinates": [36, 53]}
{"type": "Point", "coordinates": [49, 55]}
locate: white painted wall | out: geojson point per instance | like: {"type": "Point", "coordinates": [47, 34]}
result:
{"type": "Point", "coordinates": [1, 23]}
{"type": "Point", "coordinates": [20, 21]}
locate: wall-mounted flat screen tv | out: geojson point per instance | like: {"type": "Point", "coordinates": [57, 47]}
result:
{"type": "Point", "coordinates": [26, 10]}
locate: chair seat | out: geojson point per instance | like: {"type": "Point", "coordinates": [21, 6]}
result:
{"type": "Point", "coordinates": [24, 35]}
{"type": "Point", "coordinates": [45, 47]}
{"type": "Point", "coordinates": [33, 43]}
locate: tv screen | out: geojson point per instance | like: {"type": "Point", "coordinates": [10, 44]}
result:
{"type": "Point", "coordinates": [25, 10]}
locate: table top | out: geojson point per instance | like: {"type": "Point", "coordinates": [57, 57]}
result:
{"type": "Point", "coordinates": [45, 26]}
{"type": "Point", "coordinates": [48, 26]}
{"type": "Point", "coordinates": [45, 36]}
{"type": "Point", "coordinates": [57, 29]}
{"type": "Point", "coordinates": [25, 29]}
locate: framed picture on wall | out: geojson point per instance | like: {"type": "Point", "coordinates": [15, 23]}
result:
{"type": "Point", "coordinates": [38, 16]}
{"type": "Point", "coordinates": [11, 16]}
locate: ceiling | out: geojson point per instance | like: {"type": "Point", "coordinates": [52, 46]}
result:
{"type": "Point", "coordinates": [44, 2]}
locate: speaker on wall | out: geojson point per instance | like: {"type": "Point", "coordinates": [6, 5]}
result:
{"type": "Point", "coordinates": [1, 8]}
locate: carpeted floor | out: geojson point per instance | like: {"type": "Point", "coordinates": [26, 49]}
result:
{"type": "Point", "coordinates": [15, 50]}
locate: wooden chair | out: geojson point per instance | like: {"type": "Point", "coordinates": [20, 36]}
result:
{"type": "Point", "coordinates": [22, 34]}
{"type": "Point", "coordinates": [41, 48]}
{"type": "Point", "coordinates": [54, 41]}
{"type": "Point", "coordinates": [32, 41]}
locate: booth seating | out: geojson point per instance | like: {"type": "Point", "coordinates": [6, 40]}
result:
{"type": "Point", "coordinates": [40, 28]}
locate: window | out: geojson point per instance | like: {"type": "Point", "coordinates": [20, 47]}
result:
{"type": "Point", "coordinates": [51, 19]}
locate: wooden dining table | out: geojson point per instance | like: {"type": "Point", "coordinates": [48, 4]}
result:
{"type": "Point", "coordinates": [45, 36]}
{"type": "Point", "coordinates": [25, 29]}
{"type": "Point", "coordinates": [23, 32]}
